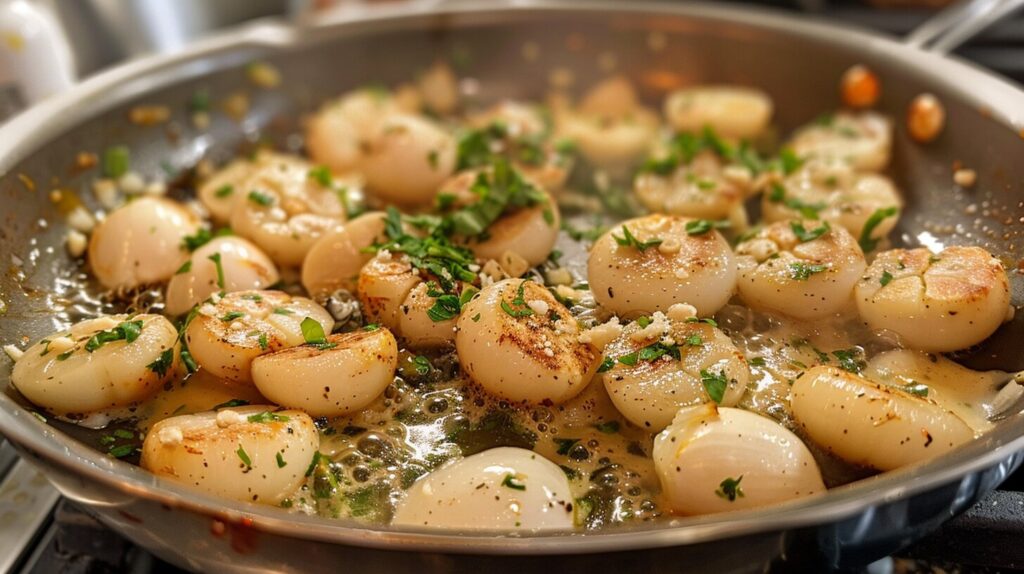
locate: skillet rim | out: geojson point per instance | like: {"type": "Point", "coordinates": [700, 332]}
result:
{"type": "Point", "coordinates": [41, 124]}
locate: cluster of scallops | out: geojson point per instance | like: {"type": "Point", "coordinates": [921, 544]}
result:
{"type": "Point", "coordinates": [479, 201]}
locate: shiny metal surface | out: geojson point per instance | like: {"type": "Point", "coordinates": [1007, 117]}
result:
{"type": "Point", "coordinates": [798, 62]}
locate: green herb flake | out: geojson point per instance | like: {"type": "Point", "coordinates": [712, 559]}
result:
{"type": "Point", "coordinates": [518, 308]}
{"type": "Point", "coordinates": [162, 363]}
{"type": "Point", "coordinates": [280, 461]}
{"type": "Point", "coordinates": [313, 334]}
{"type": "Point", "coordinates": [116, 160]}
{"type": "Point", "coordinates": [803, 271]}
{"type": "Point", "coordinates": [512, 482]}
{"type": "Point", "coordinates": [714, 384]}
{"type": "Point", "coordinates": [224, 191]}
{"type": "Point", "coordinates": [694, 340]}
{"type": "Point", "coordinates": [868, 243]}
{"type": "Point", "coordinates": [122, 451]}
{"type": "Point", "coordinates": [322, 175]}
{"type": "Point", "coordinates": [185, 268]}
{"type": "Point", "coordinates": [267, 417]}
{"type": "Point", "coordinates": [231, 316]}
{"type": "Point", "coordinates": [127, 331]}
{"type": "Point", "coordinates": [608, 427]}
{"type": "Point", "coordinates": [220, 269]}
{"type": "Point", "coordinates": [886, 278]}
{"type": "Point", "coordinates": [283, 311]}
{"type": "Point", "coordinates": [260, 198]}
{"type": "Point", "coordinates": [422, 365]}
{"type": "Point", "coordinates": [849, 360]}
{"type": "Point", "coordinates": [629, 240]}
{"type": "Point", "coordinates": [230, 404]}
{"type": "Point", "coordinates": [702, 226]}
{"type": "Point", "coordinates": [758, 362]}
{"type": "Point", "coordinates": [244, 456]}
{"type": "Point", "coordinates": [730, 489]}
{"type": "Point", "coordinates": [804, 235]}
{"type": "Point", "coordinates": [606, 365]}
{"type": "Point", "coordinates": [263, 342]}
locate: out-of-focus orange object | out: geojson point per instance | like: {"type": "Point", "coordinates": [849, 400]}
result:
{"type": "Point", "coordinates": [925, 118]}
{"type": "Point", "coordinates": [860, 87]}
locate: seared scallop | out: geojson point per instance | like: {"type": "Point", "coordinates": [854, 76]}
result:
{"type": "Point", "coordinates": [716, 459]}
{"type": "Point", "coordinates": [254, 454]}
{"type": "Point", "coordinates": [802, 268]}
{"type": "Point", "coordinates": [700, 189]}
{"type": "Point", "coordinates": [498, 489]}
{"type": "Point", "coordinates": [383, 286]}
{"type": "Point", "coordinates": [225, 335]}
{"type": "Point", "coordinates": [650, 263]}
{"type": "Point", "coordinates": [659, 365]}
{"type": "Point", "coordinates": [224, 264]}
{"type": "Point", "coordinates": [519, 343]}
{"type": "Point", "coordinates": [334, 261]}
{"type": "Point", "coordinates": [140, 243]}
{"type": "Point", "coordinates": [338, 376]}
{"type": "Point", "coordinates": [104, 363]}
{"type": "Point", "coordinates": [865, 204]}
{"type": "Point", "coordinates": [732, 111]}
{"type": "Point", "coordinates": [873, 425]}
{"type": "Point", "coordinates": [938, 303]}
{"type": "Point", "coordinates": [862, 139]}
{"type": "Point", "coordinates": [406, 160]}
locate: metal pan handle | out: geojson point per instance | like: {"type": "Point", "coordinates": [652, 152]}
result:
{"type": "Point", "coordinates": [955, 25]}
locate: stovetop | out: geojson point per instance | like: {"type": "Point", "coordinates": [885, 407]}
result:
{"type": "Point", "coordinates": [40, 533]}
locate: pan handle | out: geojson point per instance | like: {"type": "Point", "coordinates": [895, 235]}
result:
{"type": "Point", "coordinates": [957, 24]}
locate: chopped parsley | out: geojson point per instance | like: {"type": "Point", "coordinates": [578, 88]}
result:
{"type": "Point", "coordinates": [283, 311]}
{"type": "Point", "coordinates": [511, 481]}
{"type": "Point", "coordinates": [730, 489]}
{"type": "Point", "coordinates": [518, 307]}
{"type": "Point", "coordinates": [268, 417]}
{"type": "Point", "coordinates": [803, 271]}
{"type": "Point", "coordinates": [422, 365]}
{"type": "Point", "coordinates": [885, 279]}
{"type": "Point", "coordinates": [806, 210]}
{"type": "Point", "coordinates": [185, 268]}
{"type": "Point", "coordinates": [224, 191]}
{"type": "Point", "coordinates": [280, 461]}
{"type": "Point", "coordinates": [804, 235]}
{"type": "Point", "coordinates": [685, 146]}
{"type": "Point", "coordinates": [322, 175]}
{"type": "Point", "coordinates": [220, 269]}
{"type": "Point", "coordinates": [116, 161]}
{"type": "Point", "coordinates": [608, 427]}
{"type": "Point", "coordinates": [260, 198]}
{"type": "Point", "coordinates": [127, 331]}
{"type": "Point", "coordinates": [313, 334]}
{"type": "Point", "coordinates": [629, 240]}
{"type": "Point", "coordinates": [231, 403]}
{"type": "Point", "coordinates": [498, 190]}
{"type": "Point", "coordinates": [162, 363]}
{"type": "Point", "coordinates": [606, 365]}
{"type": "Point", "coordinates": [231, 316]}
{"type": "Point", "coordinates": [758, 361]}
{"type": "Point", "coordinates": [702, 226]}
{"type": "Point", "coordinates": [789, 161]}
{"type": "Point", "coordinates": [714, 384]}
{"type": "Point", "coordinates": [244, 456]}
{"type": "Point", "coordinates": [707, 320]}
{"type": "Point", "coordinates": [694, 340]}
{"type": "Point", "coordinates": [868, 243]}
{"type": "Point", "coordinates": [263, 342]}
{"type": "Point", "coordinates": [849, 359]}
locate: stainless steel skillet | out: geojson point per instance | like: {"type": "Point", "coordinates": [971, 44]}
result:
{"type": "Point", "coordinates": [797, 61]}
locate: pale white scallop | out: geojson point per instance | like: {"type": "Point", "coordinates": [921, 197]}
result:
{"type": "Point", "coordinates": [610, 127]}
{"type": "Point", "coordinates": [384, 284]}
{"type": "Point", "coordinates": [701, 189]}
{"type": "Point", "coordinates": [872, 425]}
{"type": "Point", "coordinates": [62, 376]}
{"type": "Point", "coordinates": [529, 232]}
{"type": "Point", "coordinates": [834, 192]}
{"type": "Point", "coordinates": [285, 211]}
{"type": "Point", "coordinates": [243, 265]}
{"type": "Point", "coordinates": [649, 393]}
{"type": "Point", "coordinates": [334, 134]}
{"type": "Point", "coordinates": [338, 378]}
{"type": "Point", "coordinates": [862, 139]}
{"type": "Point", "coordinates": [406, 159]}
{"type": "Point", "coordinates": [695, 269]}
{"type": "Point", "coordinates": [334, 261]}
{"type": "Point", "coordinates": [499, 489]}
{"type": "Point", "coordinates": [225, 337]}
{"type": "Point", "coordinates": [532, 354]}
{"type": "Point", "coordinates": [221, 191]}
{"type": "Point", "coordinates": [707, 445]}
{"type": "Point", "coordinates": [935, 302]}
{"type": "Point", "coordinates": [803, 279]}
{"type": "Point", "coordinates": [140, 243]}
{"type": "Point", "coordinates": [731, 111]}
{"type": "Point", "coordinates": [226, 454]}
{"type": "Point", "coordinates": [439, 88]}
